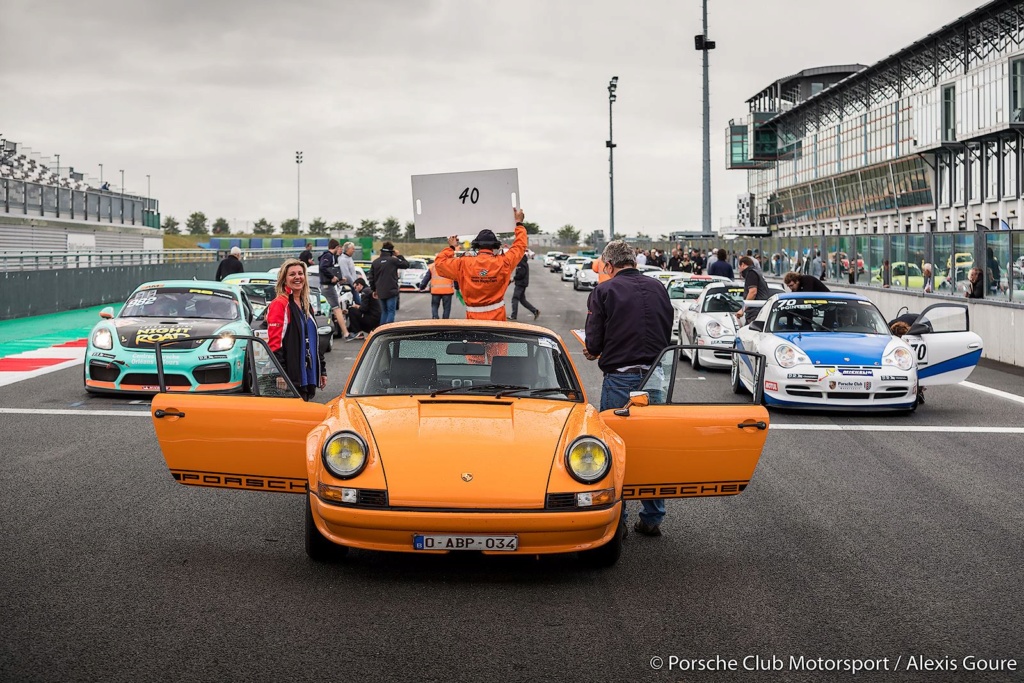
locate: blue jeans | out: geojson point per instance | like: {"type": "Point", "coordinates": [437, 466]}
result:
{"type": "Point", "coordinates": [387, 310]}
{"type": "Point", "coordinates": [615, 394]}
{"type": "Point", "coordinates": [436, 300]}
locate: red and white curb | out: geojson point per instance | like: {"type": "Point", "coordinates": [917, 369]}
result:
{"type": "Point", "coordinates": [28, 364]}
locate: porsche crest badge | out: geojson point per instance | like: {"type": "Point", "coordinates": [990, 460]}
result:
{"type": "Point", "coordinates": [467, 476]}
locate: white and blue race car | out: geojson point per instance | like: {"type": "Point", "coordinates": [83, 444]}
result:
{"type": "Point", "coordinates": [834, 350]}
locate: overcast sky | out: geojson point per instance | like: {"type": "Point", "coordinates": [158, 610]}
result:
{"type": "Point", "coordinates": [213, 97]}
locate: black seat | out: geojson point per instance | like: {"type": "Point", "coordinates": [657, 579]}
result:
{"type": "Point", "coordinates": [413, 372]}
{"type": "Point", "coordinates": [517, 370]}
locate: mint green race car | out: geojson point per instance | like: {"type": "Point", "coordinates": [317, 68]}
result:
{"type": "Point", "coordinates": [120, 355]}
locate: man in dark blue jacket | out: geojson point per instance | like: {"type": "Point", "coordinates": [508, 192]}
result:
{"type": "Point", "coordinates": [629, 322]}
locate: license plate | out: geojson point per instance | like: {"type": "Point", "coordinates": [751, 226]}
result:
{"type": "Point", "coordinates": [508, 543]}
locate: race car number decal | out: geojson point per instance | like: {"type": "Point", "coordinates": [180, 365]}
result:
{"type": "Point", "coordinates": [921, 351]}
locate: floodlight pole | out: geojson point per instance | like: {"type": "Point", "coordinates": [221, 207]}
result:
{"type": "Point", "coordinates": [298, 192]}
{"type": "Point", "coordinates": [612, 85]}
{"type": "Point", "coordinates": [702, 43]}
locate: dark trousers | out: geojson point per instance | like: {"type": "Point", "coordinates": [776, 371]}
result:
{"type": "Point", "coordinates": [615, 394]}
{"type": "Point", "coordinates": [439, 300]}
{"type": "Point", "coordinates": [359, 322]}
{"type": "Point", "coordinates": [519, 297]}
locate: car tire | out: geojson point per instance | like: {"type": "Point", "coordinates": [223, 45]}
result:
{"type": "Point", "coordinates": [734, 375]}
{"type": "Point", "coordinates": [608, 554]}
{"type": "Point", "coordinates": [576, 285]}
{"type": "Point", "coordinates": [330, 343]}
{"type": "Point", "coordinates": [695, 355]}
{"type": "Point", "coordinates": [319, 548]}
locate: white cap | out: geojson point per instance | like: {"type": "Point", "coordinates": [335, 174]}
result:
{"type": "Point", "coordinates": [236, 251]}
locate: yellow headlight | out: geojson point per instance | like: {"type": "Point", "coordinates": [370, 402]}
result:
{"type": "Point", "coordinates": [344, 454]}
{"type": "Point", "coordinates": [588, 459]}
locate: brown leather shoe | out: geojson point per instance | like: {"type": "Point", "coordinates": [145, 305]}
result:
{"type": "Point", "coordinates": [646, 529]}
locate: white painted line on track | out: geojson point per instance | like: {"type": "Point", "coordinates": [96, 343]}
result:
{"type": "Point", "coordinates": [896, 428]}
{"type": "Point", "coordinates": [52, 411]}
{"type": "Point", "coordinates": [995, 392]}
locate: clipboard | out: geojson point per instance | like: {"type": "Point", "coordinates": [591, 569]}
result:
{"type": "Point", "coordinates": [581, 335]}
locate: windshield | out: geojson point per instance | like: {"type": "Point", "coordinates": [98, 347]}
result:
{"type": "Point", "coordinates": [821, 315]}
{"type": "Point", "coordinates": [686, 289]}
{"type": "Point", "coordinates": [465, 361]}
{"type": "Point", "coordinates": [264, 291]}
{"type": "Point", "coordinates": [180, 302]}
{"type": "Point", "coordinates": [723, 300]}
{"type": "Point", "coordinates": [417, 265]}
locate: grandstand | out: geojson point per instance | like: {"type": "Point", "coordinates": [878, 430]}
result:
{"type": "Point", "coordinates": [45, 206]}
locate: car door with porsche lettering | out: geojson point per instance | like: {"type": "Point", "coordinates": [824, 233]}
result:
{"type": "Point", "coordinates": [253, 439]}
{"type": "Point", "coordinates": [687, 433]}
{"type": "Point", "coordinates": [946, 349]}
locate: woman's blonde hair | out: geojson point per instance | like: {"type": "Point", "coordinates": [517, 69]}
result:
{"type": "Point", "coordinates": [282, 288]}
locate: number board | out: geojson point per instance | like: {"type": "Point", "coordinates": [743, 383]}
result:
{"type": "Point", "coordinates": [446, 204]}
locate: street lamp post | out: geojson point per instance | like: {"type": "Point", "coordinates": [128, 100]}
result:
{"type": "Point", "coordinates": [704, 45]}
{"type": "Point", "coordinates": [612, 85]}
{"type": "Point", "coordinates": [58, 185]}
{"type": "Point", "coordinates": [298, 192]}
{"type": "Point", "coordinates": [101, 176]}
{"type": "Point", "coordinates": [149, 211]}
{"type": "Point", "coordinates": [122, 194]}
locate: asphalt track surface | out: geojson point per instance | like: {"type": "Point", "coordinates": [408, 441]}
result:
{"type": "Point", "coordinates": [848, 544]}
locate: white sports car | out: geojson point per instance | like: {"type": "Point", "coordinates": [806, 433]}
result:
{"type": "Point", "coordinates": [683, 290]}
{"type": "Point", "coordinates": [832, 350]}
{"type": "Point", "coordinates": [584, 277]}
{"type": "Point", "coordinates": [711, 321]}
{"type": "Point", "coordinates": [570, 265]}
{"type": "Point", "coordinates": [409, 278]}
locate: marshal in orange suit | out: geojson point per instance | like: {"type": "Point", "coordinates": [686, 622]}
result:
{"type": "Point", "coordinates": [483, 277]}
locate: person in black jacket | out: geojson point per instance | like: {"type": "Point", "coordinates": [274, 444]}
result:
{"type": "Point", "coordinates": [384, 280]}
{"type": "Point", "coordinates": [231, 264]}
{"type": "Point", "coordinates": [521, 280]}
{"type": "Point", "coordinates": [804, 283]}
{"type": "Point", "coordinates": [330, 276]}
{"type": "Point", "coordinates": [365, 312]}
{"type": "Point", "coordinates": [629, 322]}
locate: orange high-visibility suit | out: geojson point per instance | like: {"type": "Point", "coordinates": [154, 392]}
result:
{"type": "Point", "coordinates": [483, 278]}
{"type": "Point", "coordinates": [597, 265]}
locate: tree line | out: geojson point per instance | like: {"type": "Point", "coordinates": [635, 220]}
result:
{"type": "Point", "coordinates": [388, 229]}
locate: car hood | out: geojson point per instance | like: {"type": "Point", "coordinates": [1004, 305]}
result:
{"type": "Point", "coordinates": [144, 333]}
{"type": "Point", "coordinates": [839, 348]}
{"type": "Point", "coordinates": [428, 448]}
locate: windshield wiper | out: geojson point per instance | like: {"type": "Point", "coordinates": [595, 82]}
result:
{"type": "Point", "coordinates": [537, 392]}
{"type": "Point", "coordinates": [481, 387]}
{"type": "Point", "coordinates": [821, 328]}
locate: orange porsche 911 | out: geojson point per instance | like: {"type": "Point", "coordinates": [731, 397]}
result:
{"type": "Point", "coordinates": [463, 435]}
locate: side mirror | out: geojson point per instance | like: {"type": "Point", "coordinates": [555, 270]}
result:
{"type": "Point", "coordinates": [693, 307]}
{"type": "Point", "coordinates": [107, 313]}
{"type": "Point", "coordinates": [757, 326]}
{"type": "Point", "coordinates": [640, 399]}
{"type": "Point", "coordinates": [919, 328]}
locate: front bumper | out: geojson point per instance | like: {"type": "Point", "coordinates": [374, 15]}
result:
{"type": "Point", "coordinates": [134, 372]}
{"type": "Point", "coordinates": [717, 354]}
{"type": "Point", "coordinates": [819, 387]}
{"type": "Point", "coordinates": [540, 532]}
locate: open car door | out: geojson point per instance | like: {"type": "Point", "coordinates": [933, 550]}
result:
{"type": "Point", "coordinates": [254, 439]}
{"type": "Point", "coordinates": [695, 436]}
{"type": "Point", "coordinates": [947, 351]}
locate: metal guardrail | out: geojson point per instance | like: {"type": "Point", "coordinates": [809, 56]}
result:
{"type": "Point", "coordinates": [20, 261]}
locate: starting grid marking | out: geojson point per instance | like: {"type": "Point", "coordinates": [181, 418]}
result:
{"type": "Point", "coordinates": [28, 364]}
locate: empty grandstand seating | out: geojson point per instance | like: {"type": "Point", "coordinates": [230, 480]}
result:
{"type": "Point", "coordinates": [18, 166]}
